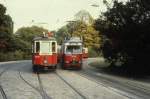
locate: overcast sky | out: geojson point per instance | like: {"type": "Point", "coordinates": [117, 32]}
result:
{"type": "Point", "coordinates": [54, 13]}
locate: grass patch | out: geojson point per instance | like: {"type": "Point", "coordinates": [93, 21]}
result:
{"type": "Point", "coordinates": [99, 64]}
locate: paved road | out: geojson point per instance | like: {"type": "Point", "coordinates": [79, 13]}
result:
{"type": "Point", "coordinates": [130, 87]}
{"type": "Point", "coordinates": [18, 82]}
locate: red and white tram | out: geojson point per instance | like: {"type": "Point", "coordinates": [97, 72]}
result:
{"type": "Point", "coordinates": [71, 53]}
{"type": "Point", "coordinates": [44, 53]}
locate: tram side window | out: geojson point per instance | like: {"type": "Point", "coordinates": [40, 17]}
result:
{"type": "Point", "coordinates": [37, 47]}
{"type": "Point", "coordinates": [53, 47]}
{"type": "Point", "coordinates": [32, 48]}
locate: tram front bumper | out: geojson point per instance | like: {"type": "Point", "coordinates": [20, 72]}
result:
{"type": "Point", "coordinates": [47, 66]}
{"type": "Point", "coordinates": [72, 65]}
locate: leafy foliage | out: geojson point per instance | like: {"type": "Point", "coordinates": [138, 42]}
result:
{"type": "Point", "coordinates": [81, 27]}
{"type": "Point", "coordinates": [28, 33]}
{"type": "Point", "coordinates": [85, 17]}
{"type": "Point", "coordinates": [61, 34]}
{"type": "Point", "coordinates": [15, 46]}
{"type": "Point", "coordinates": [126, 33]}
{"type": "Point", "coordinates": [6, 29]}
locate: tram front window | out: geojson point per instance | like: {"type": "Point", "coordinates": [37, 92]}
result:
{"type": "Point", "coordinates": [73, 49]}
{"type": "Point", "coordinates": [45, 47]}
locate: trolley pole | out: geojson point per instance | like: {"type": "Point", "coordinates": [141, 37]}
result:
{"type": "Point", "coordinates": [72, 27]}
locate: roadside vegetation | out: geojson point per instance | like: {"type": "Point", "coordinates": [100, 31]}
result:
{"type": "Point", "coordinates": [99, 64]}
{"type": "Point", "coordinates": [10, 46]}
{"type": "Point", "coordinates": [82, 26]}
{"type": "Point", "coordinates": [125, 32]}
{"type": "Point", "coordinates": [121, 35]}
{"type": "Point", "coordinates": [15, 46]}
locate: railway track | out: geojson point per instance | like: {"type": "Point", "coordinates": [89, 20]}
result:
{"type": "Point", "coordinates": [1, 88]}
{"type": "Point", "coordinates": [77, 91]}
{"type": "Point", "coordinates": [1, 73]}
{"type": "Point", "coordinates": [40, 90]}
{"type": "Point", "coordinates": [44, 94]}
{"type": "Point", "coordinates": [134, 89]}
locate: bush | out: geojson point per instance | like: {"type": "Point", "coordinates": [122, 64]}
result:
{"type": "Point", "coordinates": [12, 56]}
{"type": "Point", "coordinates": [3, 57]}
{"type": "Point", "coordinates": [93, 53]}
{"type": "Point", "coordinates": [18, 55]}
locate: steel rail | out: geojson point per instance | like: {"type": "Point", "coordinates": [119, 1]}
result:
{"type": "Point", "coordinates": [39, 90]}
{"type": "Point", "coordinates": [78, 92]}
{"type": "Point", "coordinates": [44, 94]}
{"type": "Point", "coordinates": [1, 88]}
{"type": "Point", "coordinates": [108, 81]}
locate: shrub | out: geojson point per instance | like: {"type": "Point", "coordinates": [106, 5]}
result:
{"type": "Point", "coordinates": [93, 53]}
{"type": "Point", "coordinates": [12, 56]}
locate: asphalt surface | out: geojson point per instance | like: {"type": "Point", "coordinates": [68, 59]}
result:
{"type": "Point", "coordinates": [127, 86]}
{"type": "Point", "coordinates": [17, 81]}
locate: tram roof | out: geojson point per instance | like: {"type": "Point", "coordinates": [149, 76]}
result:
{"type": "Point", "coordinates": [43, 38]}
{"type": "Point", "coordinates": [73, 39]}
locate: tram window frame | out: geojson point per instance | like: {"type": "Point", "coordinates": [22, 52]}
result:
{"type": "Point", "coordinates": [54, 47]}
{"type": "Point", "coordinates": [37, 48]}
{"type": "Point", "coordinates": [73, 49]}
{"type": "Point", "coordinates": [32, 48]}
{"type": "Point", "coordinates": [49, 47]}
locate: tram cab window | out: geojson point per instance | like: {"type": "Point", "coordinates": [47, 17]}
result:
{"type": "Point", "coordinates": [37, 47]}
{"type": "Point", "coordinates": [53, 47]}
{"type": "Point", "coordinates": [73, 49]}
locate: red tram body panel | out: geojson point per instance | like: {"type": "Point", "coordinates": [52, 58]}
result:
{"type": "Point", "coordinates": [74, 60]}
{"type": "Point", "coordinates": [41, 60]}
{"type": "Point", "coordinates": [44, 53]}
{"type": "Point", "coordinates": [71, 53]}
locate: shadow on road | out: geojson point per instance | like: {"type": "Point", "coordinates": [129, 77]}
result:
{"type": "Point", "coordinates": [137, 74]}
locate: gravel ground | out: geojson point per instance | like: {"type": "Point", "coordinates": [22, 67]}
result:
{"type": "Point", "coordinates": [57, 89]}
{"type": "Point", "coordinates": [89, 88]}
{"type": "Point", "coordinates": [62, 84]}
{"type": "Point", "coordinates": [14, 87]}
{"type": "Point", "coordinates": [130, 87]}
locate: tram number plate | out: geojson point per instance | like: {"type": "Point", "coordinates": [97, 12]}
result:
{"type": "Point", "coordinates": [74, 62]}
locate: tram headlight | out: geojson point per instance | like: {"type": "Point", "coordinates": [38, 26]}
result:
{"type": "Point", "coordinates": [45, 61]}
{"type": "Point", "coordinates": [66, 61]}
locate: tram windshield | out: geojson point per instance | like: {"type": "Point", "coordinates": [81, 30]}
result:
{"type": "Point", "coordinates": [45, 47]}
{"type": "Point", "coordinates": [73, 49]}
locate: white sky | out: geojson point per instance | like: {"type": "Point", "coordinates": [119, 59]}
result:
{"type": "Point", "coordinates": [53, 12]}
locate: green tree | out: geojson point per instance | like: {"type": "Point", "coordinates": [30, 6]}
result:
{"type": "Point", "coordinates": [81, 26]}
{"type": "Point", "coordinates": [6, 29]}
{"type": "Point", "coordinates": [28, 33]}
{"type": "Point", "coordinates": [90, 35]}
{"type": "Point", "coordinates": [11, 47]}
{"type": "Point", "coordinates": [126, 33]}
{"type": "Point", "coordinates": [84, 17]}
{"type": "Point", "coordinates": [61, 34]}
